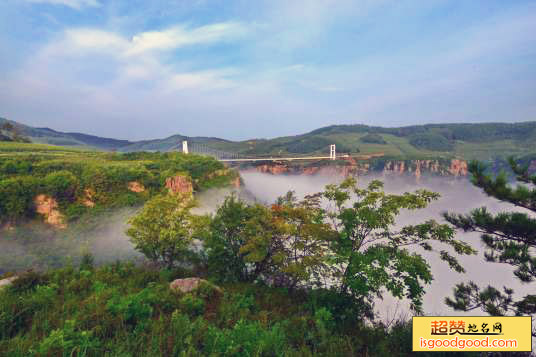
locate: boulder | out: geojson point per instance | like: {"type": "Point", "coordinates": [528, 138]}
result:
{"type": "Point", "coordinates": [7, 281]}
{"type": "Point", "coordinates": [135, 186]}
{"type": "Point", "coordinates": [190, 284]}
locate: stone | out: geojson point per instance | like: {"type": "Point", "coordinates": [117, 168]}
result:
{"type": "Point", "coordinates": [88, 197]}
{"type": "Point", "coordinates": [7, 281]}
{"type": "Point", "coordinates": [189, 284]}
{"type": "Point", "coordinates": [458, 167]}
{"type": "Point", "coordinates": [48, 207]}
{"type": "Point", "coordinates": [179, 184]}
{"type": "Point", "coordinates": [135, 186]}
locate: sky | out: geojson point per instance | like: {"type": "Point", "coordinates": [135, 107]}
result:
{"type": "Point", "coordinates": [239, 69]}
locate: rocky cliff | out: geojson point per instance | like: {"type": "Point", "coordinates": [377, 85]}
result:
{"type": "Point", "coordinates": [48, 207]}
{"type": "Point", "coordinates": [351, 167]}
{"type": "Point", "coordinates": [179, 184]}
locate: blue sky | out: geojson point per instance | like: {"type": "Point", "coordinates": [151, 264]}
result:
{"type": "Point", "coordinates": [138, 69]}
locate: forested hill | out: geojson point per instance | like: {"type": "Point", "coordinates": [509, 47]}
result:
{"type": "Point", "coordinates": [469, 141]}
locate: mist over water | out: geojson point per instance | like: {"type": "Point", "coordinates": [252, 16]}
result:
{"type": "Point", "coordinates": [457, 195]}
{"type": "Point", "coordinates": [38, 246]}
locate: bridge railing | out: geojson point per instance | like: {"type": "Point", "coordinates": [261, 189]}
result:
{"type": "Point", "coordinates": [202, 149]}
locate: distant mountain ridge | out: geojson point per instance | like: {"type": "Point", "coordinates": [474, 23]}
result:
{"type": "Point", "coordinates": [479, 140]}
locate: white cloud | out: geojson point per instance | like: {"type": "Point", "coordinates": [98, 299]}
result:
{"type": "Point", "coordinates": [207, 80]}
{"type": "Point", "coordinates": [137, 61]}
{"type": "Point", "coordinates": [79, 40]}
{"type": "Point", "coordinates": [179, 36]}
{"type": "Point", "coordinates": [75, 4]}
{"type": "Point", "coordinates": [94, 39]}
{"type": "Point", "coordinates": [110, 78]}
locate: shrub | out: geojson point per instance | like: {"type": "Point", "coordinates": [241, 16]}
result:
{"type": "Point", "coordinates": [16, 198]}
{"type": "Point", "coordinates": [192, 305]}
{"type": "Point", "coordinates": [373, 138]}
{"type": "Point", "coordinates": [68, 342]}
{"type": "Point", "coordinates": [246, 339]}
{"type": "Point", "coordinates": [163, 231]}
{"type": "Point", "coordinates": [430, 141]}
{"type": "Point", "coordinates": [133, 308]}
{"type": "Point", "coordinates": [28, 282]}
{"type": "Point", "coordinates": [62, 185]}
{"type": "Point", "coordinates": [236, 306]}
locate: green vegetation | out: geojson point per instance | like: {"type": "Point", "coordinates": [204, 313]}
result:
{"type": "Point", "coordinates": [510, 238]}
{"type": "Point", "coordinates": [75, 177]}
{"type": "Point", "coordinates": [434, 142]}
{"type": "Point", "coordinates": [295, 279]}
{"type": "Point", "coordinates": [482, 141]}
{"type": "Point", "coordinates": [164, 230]}
{"type": "Point", "coordinates": [124, 310]}
{"type": "Point", "coordinates": [373, 138]}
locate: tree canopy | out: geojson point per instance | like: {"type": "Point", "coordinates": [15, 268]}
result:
{"type": "Point", "coordinates": [343, 239]}
{"type": "Point", "coordinates": [509, 237]}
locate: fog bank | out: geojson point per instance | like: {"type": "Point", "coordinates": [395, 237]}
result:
{"type": "Point", "coordinates": [457, 195]}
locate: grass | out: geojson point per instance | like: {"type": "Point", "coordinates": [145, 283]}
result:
{"type": "Point", "coordinates": [492, 150]}
{"type": "Point", "coordinates": [10, 147]}
{"type": "Point", "coordinates": [123, 310]}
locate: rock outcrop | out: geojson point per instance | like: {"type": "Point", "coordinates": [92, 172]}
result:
{"type": "Point", "coordinates": [7, 281]}
{"type": "Point", "coordinates": [274, 169]}
{"type": "Point", "coordinates": [190, 284]}
{"type": "Point", "coordinates": [231, 173]}
{"type": "Point", "coordinates": [458, 167]}
{"type": "Point", "coordinates": [135, 186]}
{"type": "Point", "coordinates": [179, 184]}
{"type": "Point", "coordinates": [453, 168]}
{"type": "Point", "coordinates": [236, 182]}
{"type": "Point", "coordinates": [48, 207]}
{"type": "Point", "coordinates": [88, 201]}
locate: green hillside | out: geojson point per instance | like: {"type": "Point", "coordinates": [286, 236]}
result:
{"type": "Point", "coordinates": [75, 176]}
{"type": "Point", "coordinates": [482, 141]}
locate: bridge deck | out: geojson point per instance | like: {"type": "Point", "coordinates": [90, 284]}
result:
{"type": "Point", "coordinates": [346, 156]}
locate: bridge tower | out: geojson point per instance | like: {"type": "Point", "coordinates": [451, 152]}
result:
{"type": "Point", "coordinates": [185, 147]}
{"type": "Point", "coordinates": [332, 153]}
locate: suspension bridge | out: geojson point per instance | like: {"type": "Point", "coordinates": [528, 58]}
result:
{"type": "Point", "coordinates": [224, 156]}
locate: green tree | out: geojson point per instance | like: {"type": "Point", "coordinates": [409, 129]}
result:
{"type": "Point", "coordinates": [283, 244]}
{"type": "Point", "coordinates": [16, 198]}
{"type": "Point", "coordinates": [369, 255]}
{"type": "Point", "coordinates": [305, 236]}
{"type": "Point", "coordinates": [243, 241]}
{"type": "Point", "coordinates": [164, 230]}
{"type": "Point", "coordinates": [509, 238]}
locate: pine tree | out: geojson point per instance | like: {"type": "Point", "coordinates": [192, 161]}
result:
{"type": "Point", "coordinates": [509, 238]}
